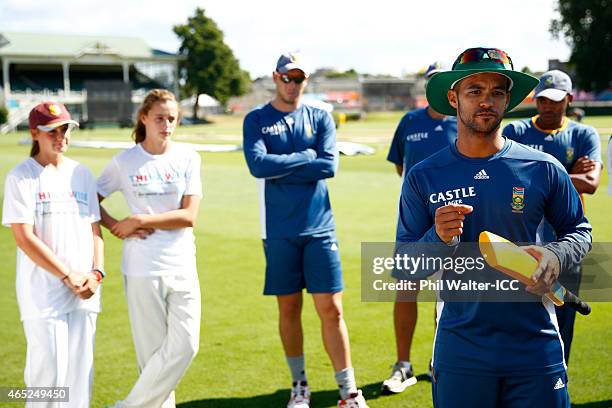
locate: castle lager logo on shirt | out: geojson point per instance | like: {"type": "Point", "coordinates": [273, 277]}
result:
{"type": "Point", "coordinates": [455, 196]}
{"type": "Point", "coordinates": [275, 129]}
{"type": "Point", "coordinates": [55, 110]}
{"type": "Point", "coordinates": [416, 137]}
{"type": "Point", "coordinates": [518, 199]}
{"type": "Point", "coordinates": [537, 147]}
{"type": "Point", "coordinates": [569, 154]}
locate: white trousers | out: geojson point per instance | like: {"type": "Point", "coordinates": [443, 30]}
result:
{"type": "Point", "coordinates": [60, 354]}
{"type": "Point", "coordinates": [165, 320]}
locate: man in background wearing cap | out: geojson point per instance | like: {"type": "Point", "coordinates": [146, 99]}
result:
{"type": "Point", "coordinates": [420, 134]}
{"type": "Point", "coordinates": [291, 149]}
{"type": "Point", "coordinates": [51, 206]}
{"type": "Point", "coordinates": [578, 149]}
{"type": "Point", "coordinates": [491, 354]}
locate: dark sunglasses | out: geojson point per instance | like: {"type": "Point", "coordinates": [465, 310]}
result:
{"type": "Point", "coordinates": [286, 79]}
{"type": "Point", "coordinates": [480, 54]}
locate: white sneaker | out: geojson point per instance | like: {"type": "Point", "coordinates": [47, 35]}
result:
{"type": "Point", "coordinates": [300, 395]}
{"type": "Point", "coordinates": [355, 400]}
{"type": "Point", "coordinates": [400, 379]}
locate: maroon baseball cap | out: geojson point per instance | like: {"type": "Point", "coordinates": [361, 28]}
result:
{"type": "Point", "coordinates": [47, 116]}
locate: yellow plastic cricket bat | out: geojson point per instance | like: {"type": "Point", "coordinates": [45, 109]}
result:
{"type": "Point", "coordinates": [515, 262]}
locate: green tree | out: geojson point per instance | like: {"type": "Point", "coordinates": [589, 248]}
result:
{"type": "Point", "coordinates": [209, 66]}
{"type": "Point", "coordinates": [527, 70]}
{"type": "Point", "coordinates": [586, 24]}
{"type": "Point", "coordinates": [350, 73]}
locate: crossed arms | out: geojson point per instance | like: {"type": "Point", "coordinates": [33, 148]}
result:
{"type": "Point", "coordinates": [305, 166]}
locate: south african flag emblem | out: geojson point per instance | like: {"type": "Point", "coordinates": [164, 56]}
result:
{"type": "Point", "coordinates": [518, 199]}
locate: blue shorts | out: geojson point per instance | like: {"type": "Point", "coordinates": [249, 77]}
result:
{"type": "Point", "coordinates": [311, 262]}
{"type": "Point", "coordinates": [451, 390]}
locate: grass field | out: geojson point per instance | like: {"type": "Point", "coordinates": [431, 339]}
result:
{"type": "Point", "coordinates": [241, 363]}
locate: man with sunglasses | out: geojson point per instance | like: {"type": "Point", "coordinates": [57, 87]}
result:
{"type": "Point", "coordinates": [492, 353]}
{"type": "Point", "coordinates": [291, 149]}
{"type": "Point", "coordinates": [420, 133]}
{"type": "Point", "coordinates": [578, 149]}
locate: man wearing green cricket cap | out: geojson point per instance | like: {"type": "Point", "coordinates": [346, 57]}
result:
{"type": "Point", "coordinates": [492, 353]}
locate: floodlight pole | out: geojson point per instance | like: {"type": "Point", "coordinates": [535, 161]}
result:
{"type": "Point", "coordinates": [66, 73]}
{"type": "Point", "coordinates": [126, 71]}
{"type": "Point", "coordinates": [5, 79]}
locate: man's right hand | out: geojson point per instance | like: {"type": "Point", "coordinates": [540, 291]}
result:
{"type": "Point", "coordinates": [449, 220]}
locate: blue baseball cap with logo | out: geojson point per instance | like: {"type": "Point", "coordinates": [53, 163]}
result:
{"type": "Point", "coordinates": [554, 85]}
{"type": "Point", "coordinates": [434, 68]}
{"type": "Point", "coordinates": [289, 61]}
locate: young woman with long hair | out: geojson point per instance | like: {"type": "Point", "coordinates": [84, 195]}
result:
{"type": "Point", "coordinates": [160, 181]}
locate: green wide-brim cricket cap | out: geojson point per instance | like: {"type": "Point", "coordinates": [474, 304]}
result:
{"type": "Point", "coordinates": [439, 84]}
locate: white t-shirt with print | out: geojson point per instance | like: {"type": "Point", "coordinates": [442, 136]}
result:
{"type": "Point", "coordinates": [154, 184]}
{"type": "Point", "coordinates": [61, 203]}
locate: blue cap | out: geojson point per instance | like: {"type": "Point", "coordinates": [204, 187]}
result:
{"type": "Point", "coordinates": [434, 68]}
{"type": "Point", "coordinates": [289, 61]}
{"type": "Point", "coordinates": [554, 85]}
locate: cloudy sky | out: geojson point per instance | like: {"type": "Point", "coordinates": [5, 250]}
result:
{"type": "Point", "coordinates": [380, 36]}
